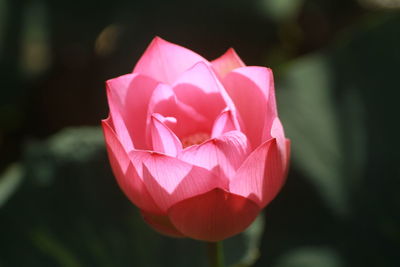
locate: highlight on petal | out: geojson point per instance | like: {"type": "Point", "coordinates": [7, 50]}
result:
{"type": "Point", "coordinates": [163, 139]}
{"type": "Point", "coordinates": [165, 61]}
{"type": "Point", "coordinates": [128, 98]}
{"type": "Point", "coordinates": [226, 63]}
{"type": "Point", "coordinates": [214, 215]}
{"type": "Point", "coordinates": [251, 90]}
{"type": "Point", "coordinates": [170, 180]}
{"type": "Point", "coordinates": [225, 122]}
{"type": "Point", "coordinates": [117, 89]}
{"type": "Point", "coordinates": [126, 174]}
{"type": "Point", "coordinates": [222, 155]}
{"type": "Point", "coordinates": [261, 176]}
{"type": "Point", "coordinates": [161, 223]}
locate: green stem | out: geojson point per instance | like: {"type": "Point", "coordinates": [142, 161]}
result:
{"type": "Point", "coordinates": [215, 254]}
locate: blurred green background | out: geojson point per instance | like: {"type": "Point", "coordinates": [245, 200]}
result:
{"type": "Point", "coordinates": [336, 66]}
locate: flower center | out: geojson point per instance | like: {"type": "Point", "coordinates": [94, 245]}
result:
{"type": "Point", "coordinates": [194, 139]}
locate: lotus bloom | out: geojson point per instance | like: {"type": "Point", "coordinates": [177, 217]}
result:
{"type": "Point", "coordinates": [197, 146]}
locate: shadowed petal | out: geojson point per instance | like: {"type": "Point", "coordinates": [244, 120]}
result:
{"type": "Point", "coordinates": [200, 89]}
{"type": "Point", "coordinates": [214, 215]}
{"type": "Point", "coordinates": [225, 122]}
{"type": "Point", "coordinates": [188, 120]}
{"type": "Point", "coordinates": [165, 61]}
{"type": "Point", "coordinates": [163, 139]}
{"type": "Point", "coordinates": [126, 174]}
{"type": "Point", "coordinates": [252, 91]}
{"type": "Point", "coordinates": [226, 63]}
{"type": "Point", "coordinates": [128, 98]}
{"type": "Point", "coordinates": [161, 223]}
{"type": "Point", "coordinates": [278, 133]}
{"type": "Point", "coordinates": [222, 155]}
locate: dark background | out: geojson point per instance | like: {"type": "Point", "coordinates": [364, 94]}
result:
{"type": "Point", "coordinates": [336, 65]}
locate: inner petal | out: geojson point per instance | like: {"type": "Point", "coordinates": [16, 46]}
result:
{"type": "Point", "coordinates": [195, 139]}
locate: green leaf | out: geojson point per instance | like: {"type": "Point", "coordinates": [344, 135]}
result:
{"type": "Point", "coordinates": [312, 123]}
{"type": "Point", "coordinates": [10, 180]}
{"type": "Point", "coordinates": [310, 257]}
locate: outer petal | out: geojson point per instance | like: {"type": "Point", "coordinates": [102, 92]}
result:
{"type": "Point", "coordinates": [170, 180]}
{"type": "Point", "coordinates": [162, 224]}
{"type": "Point", "coordinates": [165, 61]}
{"type": "Point", "coordinates": [116, 93]}
{"type": "Point", "coordinates": [261, 176]}
{"type": "Point", "coordinates": [226, 63]}
{"type": "Point", "coordinates": [278, 133]}
{"type": "Point", "coordinates": [163, 139]}
{"type": "Point", "coordinates": [213, 216]}
{"type": "Point", "coordinates": [128, 98]}
{"type": "Point", "coordinates": [125, 173]}
{"type": "Point", "coordinates": [223, 155]}
{"type": "Point", "coordinates": [225, 122]}
{"type": "Point", "coordinates": [252, 91]}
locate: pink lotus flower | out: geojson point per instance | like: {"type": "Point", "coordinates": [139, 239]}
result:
{"type": "Point", "coordinates": [197, 146]}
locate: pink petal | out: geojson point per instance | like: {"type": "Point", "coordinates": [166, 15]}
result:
{"type": "Point", "coordinates": [170, 180]}
{"type": "Point", "coordinates": [163, 139]}
{"type": "Point", "coordinates": [261, 176]}
{"type": "Point", "coordinates": [226, 63]}
{"type": "Point", "coordinates": [213, 216]}
{"type": "Point", "coordinates": [200, 89]}
{"type": "Point", "coordinates": [116, 93]}
{"type": "Point", "coordinates": [225, 122]}
{"type": "Point", "coordinates": [164, 101]}
{"type": "Point", "coordinates": [162, 224]}
{"type": "Point", "coordinates": [278, 133]}
{"type": "Point", "coordinates": [128, 98]}
{"type": "Point", "coordinates": [202, 77]}
{"type": "Point", "coordinates": [125, 173]}
{"type": "Point", "coordinates": [222, 155]}
{"type": "Point", "coordinates": [165, 61]}
{"type": "Point", "coordinates": [252, 91]}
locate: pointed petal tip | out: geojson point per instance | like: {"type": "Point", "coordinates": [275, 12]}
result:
{"type": "Point", "coordinates": [165, 61]}
{"type": "Point", "coordinates": [231, 52]}
{"type": "Point", "coordinates": [157, 40]}
{"type": "Point", "coordinates": [106, 120]}
{"type": "Point", "coordinates": [227, 62]}
{"type": "Point", "coordinates": [196, 73]}
{"type": "Point", "coordinates": [224, 123]}
{"type": "Point", "coordinates": [107, 124]}
{"type": "Point", "coordinates": [162, 138]}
